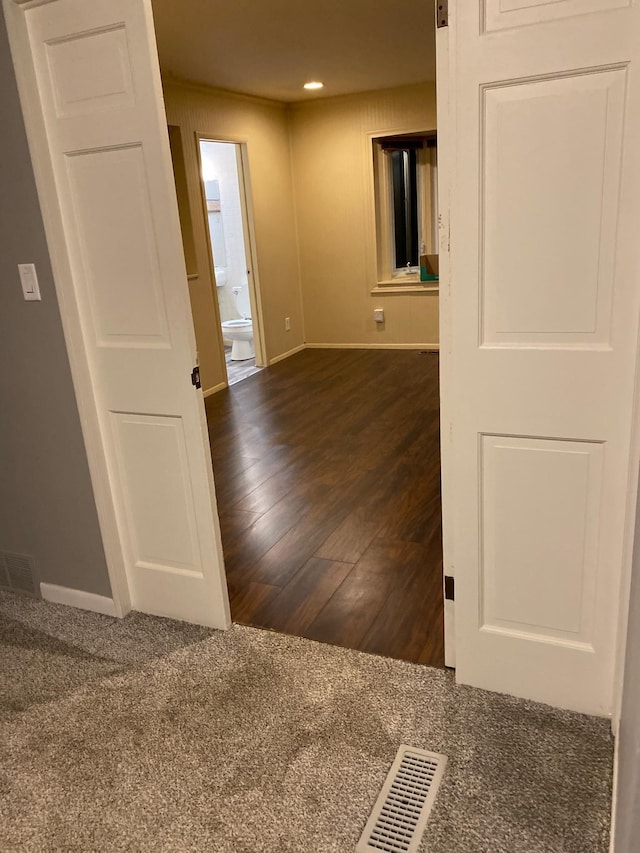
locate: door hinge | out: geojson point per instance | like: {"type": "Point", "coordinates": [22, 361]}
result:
{"type": "Point", "coordinates": [195, 377]}
{"type": "Point", "coordinates": [442, 13]}
{"type": "Point", "coordinates": [449, 588]}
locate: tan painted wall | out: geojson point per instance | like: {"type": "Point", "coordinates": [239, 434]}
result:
{"type": "Point", "coordinates": [334, 203]}
{"type": "Point", "coordinates": [263, 126]}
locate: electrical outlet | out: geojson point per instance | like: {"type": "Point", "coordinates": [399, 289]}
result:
{"type": "Point", "coordinates": [287, 324]}
{"type": "Point", "coordinates": [378, 315]}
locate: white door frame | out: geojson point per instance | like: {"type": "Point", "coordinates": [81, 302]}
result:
{"type": "Point", "coordinates": [627, 564]}
{"type": "Point", "coordinates": [445, 53]}
{"type": "Point", "coordinates": [246, 202]}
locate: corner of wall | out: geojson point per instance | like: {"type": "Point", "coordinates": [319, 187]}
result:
{"type": "Point", "coordinates": [289, 120]}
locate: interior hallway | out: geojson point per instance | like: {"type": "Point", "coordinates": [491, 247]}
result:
{"type": "Point", "coordinates": [327, 469]}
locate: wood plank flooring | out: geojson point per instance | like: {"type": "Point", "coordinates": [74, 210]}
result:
{"type": "Point", "coordinates": [327, 469]}
{"type": "Point", "coordinates": [238, 370]}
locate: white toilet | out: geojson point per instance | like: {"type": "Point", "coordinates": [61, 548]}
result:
{"type": "Point", "coordinates": [240, 333]}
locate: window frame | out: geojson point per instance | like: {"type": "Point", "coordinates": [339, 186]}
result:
{"type": "Point", "coordinates": [388, 276]}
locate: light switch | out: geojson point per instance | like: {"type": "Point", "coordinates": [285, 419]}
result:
{"type": "Point", "coordinates": [29, 281]}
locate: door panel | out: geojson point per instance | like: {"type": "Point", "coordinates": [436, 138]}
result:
{"type": "Point", "coordinates": [124, 288]}
{"type": "Point", "coordinates": [548, 263]}
{"type": "Point", "coordinates": [499, 14]}
{"type": "Point", "coordinates": [91, 71]}
{"type": "Point", "coordinates": [545, 301]}
{"type": "Point", "coordinates": [538, 579]}
{"type": "Point", "coordinates": [99, 85]}
{"type": "Point", "coordinates": [157, 498]}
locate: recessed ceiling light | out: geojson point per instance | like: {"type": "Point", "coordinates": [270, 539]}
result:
{"type": "Point", "coordinates": [315, 84]}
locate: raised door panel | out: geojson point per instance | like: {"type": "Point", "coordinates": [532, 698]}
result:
{"type": "Point", "coordinates": [91, 72]}
{"type": "Point", "coordinates": [119, 247]}
{"type": "Point", "coordinates": [503, 14]}
{"type": "Point", "coordinates": [540, 506]}
{"type": "Point", "coordinates": [158, 493]}
{"type": "Point", "coordinates": [550, 179]}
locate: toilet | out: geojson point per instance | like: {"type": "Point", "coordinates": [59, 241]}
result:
{"type": "Point", "coordinates": [240, 333]}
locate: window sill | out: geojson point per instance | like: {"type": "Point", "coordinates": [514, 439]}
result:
{"type": "Point", "coordinates": [395, 288]}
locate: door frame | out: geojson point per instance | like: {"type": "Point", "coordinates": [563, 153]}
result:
{"type": "Point", "coordinates": [248, 227]}
{"type": "Point", "coordinates": [633, 484]}
{"type": "Point", "coordinates": [445, 122]}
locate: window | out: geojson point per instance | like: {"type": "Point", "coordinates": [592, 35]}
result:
{"type": "Point", "coordinates": [406, 205]}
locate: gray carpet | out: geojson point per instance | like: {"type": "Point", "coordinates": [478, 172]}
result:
{"type": "Point", "coordinates": [149, 735]}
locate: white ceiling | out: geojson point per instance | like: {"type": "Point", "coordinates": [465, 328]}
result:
{"type": "Point", "coordinates": [271, 47]}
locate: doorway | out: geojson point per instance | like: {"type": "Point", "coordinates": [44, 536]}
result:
{"type": "Point", "coordinates": [327, 463]}
{"type": "Point", "coordinates": [223, 185]}
{"type": "Point", "coordinates": [335, 534]}
{"type": "Point", "coordinates": [160, 482]}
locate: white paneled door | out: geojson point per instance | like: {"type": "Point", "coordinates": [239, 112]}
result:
{"type": "Point", "coordinates": [545, 221]}
{"type": "Point", "coordinates": [97, 82]}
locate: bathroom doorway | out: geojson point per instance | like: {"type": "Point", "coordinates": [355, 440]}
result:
{"type": "Point", "coordinates": [226, 195]}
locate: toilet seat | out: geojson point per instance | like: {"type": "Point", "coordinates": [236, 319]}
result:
{"type": "Point", "coordinates": [245, 323]}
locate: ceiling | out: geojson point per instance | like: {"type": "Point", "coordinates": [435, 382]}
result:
{"type": "Point", "coordinates": [271, 47]}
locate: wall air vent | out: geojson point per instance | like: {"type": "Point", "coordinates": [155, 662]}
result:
{"type": "Point", "coordinates": [18, 573]}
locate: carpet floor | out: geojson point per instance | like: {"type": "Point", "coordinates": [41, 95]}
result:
{"type": "Point", "coordinates": [144, 734]}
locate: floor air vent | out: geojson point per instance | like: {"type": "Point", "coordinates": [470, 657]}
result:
{"type": "Point", "coordinates": [400, 814]}
{"type": "Point", "coordinates": [18, 573]}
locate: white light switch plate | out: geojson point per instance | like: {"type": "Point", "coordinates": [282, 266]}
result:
{"type": "Point", "coordinates": [29, 281]}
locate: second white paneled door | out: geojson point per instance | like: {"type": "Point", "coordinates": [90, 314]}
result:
{"type": "Point", "coordinates": [545, 299]}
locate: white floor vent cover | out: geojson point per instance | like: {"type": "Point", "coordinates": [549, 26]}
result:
{"type": "Point", "coordinates": [401, 811]}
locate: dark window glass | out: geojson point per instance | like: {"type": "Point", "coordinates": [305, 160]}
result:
{"type": "Point", "coordinates": [405, 206]}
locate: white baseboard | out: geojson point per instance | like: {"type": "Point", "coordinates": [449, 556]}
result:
{"type": "Point", "coordinates": [428, 347]}
{"type": "Point", "coordinates": [287, 354]}
{"type": "Point", "coordinates": [450, 634]}
{"type": "Point", "coordinates": [77, 598]}
{"type": "Point", "coordinates": [214, 390]}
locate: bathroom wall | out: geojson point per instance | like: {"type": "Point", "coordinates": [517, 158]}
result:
{"type": "Point", "coordinates": [219, 162]}
{"type": "Point", "coordinates": [332, 163]}
{"type": "Point", "coordinates": [263, 126]}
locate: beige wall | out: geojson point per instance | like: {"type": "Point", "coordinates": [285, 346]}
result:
{"type": "Point", "coordinates": [263, 126]}
{"type": "Point", "coordinates": [332, 157]}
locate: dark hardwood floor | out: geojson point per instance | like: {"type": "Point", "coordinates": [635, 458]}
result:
{"type": "Point", "coordinates": [327, 469]}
